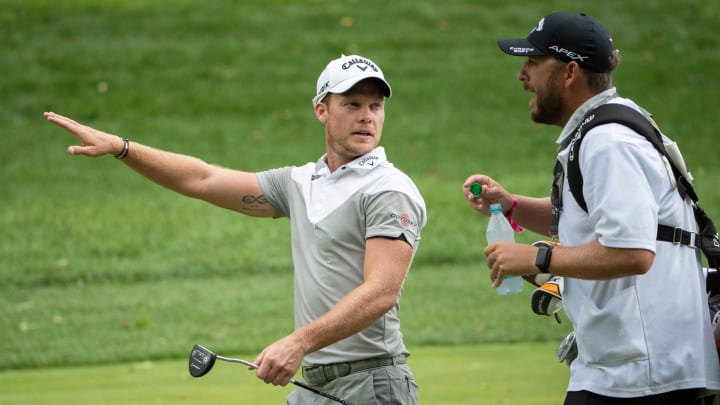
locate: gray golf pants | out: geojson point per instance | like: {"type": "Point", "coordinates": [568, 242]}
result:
{"type": "Point", "coordinates": [389, 385]}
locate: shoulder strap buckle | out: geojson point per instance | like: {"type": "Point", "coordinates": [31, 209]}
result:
{"type": "Point", "coordinates": [677, 236]}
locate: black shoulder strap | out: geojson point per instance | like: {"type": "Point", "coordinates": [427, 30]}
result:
{"type": "Point", "coordinates": [706, 238]}
{"type": "Point", "coordinates": [631, 118]}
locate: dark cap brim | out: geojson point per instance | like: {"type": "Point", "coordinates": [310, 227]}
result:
{"type": "Point", "coordinates": [519, 47]}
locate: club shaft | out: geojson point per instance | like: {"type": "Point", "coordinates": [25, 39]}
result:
{"type": "Point", "coordinates": [297, 383]}
{"type": "Point", "coordinates": [234, 360]}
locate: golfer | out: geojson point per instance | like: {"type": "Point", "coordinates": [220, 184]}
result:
{"type": "Point", "coordinates": [355, 227]}
{"type": "Point", "coordinates": [637, 305]}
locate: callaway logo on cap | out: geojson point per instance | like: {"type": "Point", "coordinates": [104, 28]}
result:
{"type": "Point", "coordinates": [567, 37]}
{"type": "Point", "coordinates": [343, 73]}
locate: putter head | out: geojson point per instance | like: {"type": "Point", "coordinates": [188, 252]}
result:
{"type": "Point", "coordinates": [201, 361]}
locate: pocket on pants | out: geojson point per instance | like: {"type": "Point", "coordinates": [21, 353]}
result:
{"type": "Point", "coordinates": [395, 385]}
{"type": "Point", "coordinates": [391, 385]}
{"type": "Point", "coordinates": [356, 388]}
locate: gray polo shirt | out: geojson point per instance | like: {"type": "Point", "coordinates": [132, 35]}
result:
{"type": "Point", "coordinates": [331, 216]}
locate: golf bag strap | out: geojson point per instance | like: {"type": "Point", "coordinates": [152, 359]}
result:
{"type": "Point", "coordinates": [677, 236]}
{"type": "Point", "coordinates": [629, 117]}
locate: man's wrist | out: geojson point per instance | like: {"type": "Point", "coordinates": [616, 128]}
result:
{"type": "Point", "coordinates": [125, 149]}
{"type": "Point", "coordinates": [509, 213]}
{"type": "Point", "coordinates": [542, 259]}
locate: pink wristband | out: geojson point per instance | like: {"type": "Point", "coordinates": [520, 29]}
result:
{"type": "Point", "coordinates": [508, 215]}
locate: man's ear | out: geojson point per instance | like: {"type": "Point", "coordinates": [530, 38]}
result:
{"type": "Point", "coordinates": [573, 73]}
{"type": "Point", "coordinates": [321, 112]}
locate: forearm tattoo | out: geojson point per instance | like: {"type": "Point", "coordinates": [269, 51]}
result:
{"type": "Point", "coordinates": [255, 203]}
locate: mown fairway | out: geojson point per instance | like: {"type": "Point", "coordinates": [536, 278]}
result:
{"type": "Point", "coordinates": [116, 278]}
{"type": "Point", "coordinates": [492, 374]}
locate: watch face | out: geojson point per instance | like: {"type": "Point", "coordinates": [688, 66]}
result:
{"type": "Point", "coordinates": [542, 260]}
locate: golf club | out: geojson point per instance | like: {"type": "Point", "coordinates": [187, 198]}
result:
{"type": "Point", "coordinates": [202, 360]}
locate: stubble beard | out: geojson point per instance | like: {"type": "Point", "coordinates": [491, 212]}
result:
{"type": "Point", "coordinates": [549, 103]}
{"type": "Point", "coordinates": [346, 150]}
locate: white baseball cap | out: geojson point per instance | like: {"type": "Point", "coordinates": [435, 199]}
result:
{"type": "Point", "coordinates": [343, 73]}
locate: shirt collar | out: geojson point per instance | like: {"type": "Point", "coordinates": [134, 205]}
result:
{"type": "Point", "coordinates": [590, 104]}
{"type": "Point", "coordinates": [361, 165]}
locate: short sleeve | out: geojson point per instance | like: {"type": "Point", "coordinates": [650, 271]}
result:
{"type": "Point", "coordinates": [394, 213]}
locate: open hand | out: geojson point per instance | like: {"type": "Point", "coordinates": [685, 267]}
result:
{"type": "Point", "coordinates": [94, 142]}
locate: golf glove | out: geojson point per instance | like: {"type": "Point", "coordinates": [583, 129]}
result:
{"type": "Point", "coordinates": [547, 299]}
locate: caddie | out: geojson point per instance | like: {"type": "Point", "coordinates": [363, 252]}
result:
{"type": "Point", "coordinates": [637, 305]}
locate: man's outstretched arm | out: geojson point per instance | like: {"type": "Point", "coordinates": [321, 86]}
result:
{"type": "Point", "coordinates": [187, 175]}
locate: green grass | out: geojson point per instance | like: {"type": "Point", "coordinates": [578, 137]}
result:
{"type": "Point", "coordinates": [492, 374]}
{"type": "Point", "coordinates": [105, 322]}
{"type": "Point", "coordinates": [100, 267]}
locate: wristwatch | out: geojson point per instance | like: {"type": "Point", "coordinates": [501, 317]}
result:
{"type": "Point", "coordinates": [542, 260]}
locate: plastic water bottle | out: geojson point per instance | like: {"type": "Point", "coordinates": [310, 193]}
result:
{"type": "Point", "coordinates": [499, 229]}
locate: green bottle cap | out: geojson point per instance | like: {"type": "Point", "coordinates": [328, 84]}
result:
{"type": "Point", "coordinates": [476, 189]}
